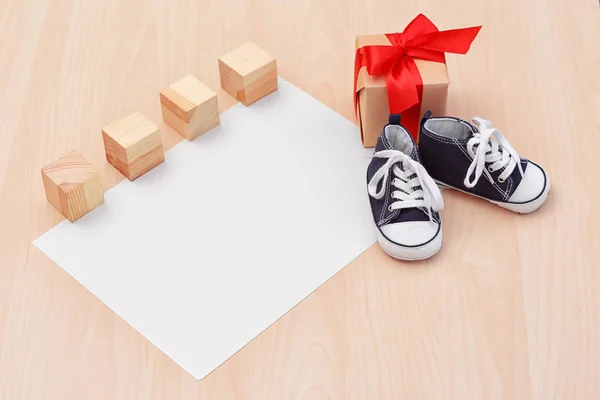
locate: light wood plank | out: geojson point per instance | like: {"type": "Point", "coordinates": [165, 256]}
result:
{"type": "Point", "coordinates": [510, 308]}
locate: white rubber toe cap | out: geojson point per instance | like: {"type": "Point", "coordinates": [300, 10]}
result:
{"type": "Point", "coordinates": [413, 233]}
{"type": "Point", "coordinates": [415, 240]}
{"type": "Point", "coordinates": [532, 185]}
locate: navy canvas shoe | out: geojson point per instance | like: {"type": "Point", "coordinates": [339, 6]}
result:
{"type": "Point", "coordinates": [404, 199]}
{"type": "Point", "coordinates": [465, 157]}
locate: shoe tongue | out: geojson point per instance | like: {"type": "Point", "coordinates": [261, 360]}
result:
{"type": "Point", "coordinates": [474, 129]}
{"type": "Point", "coordinates": [395, 137]}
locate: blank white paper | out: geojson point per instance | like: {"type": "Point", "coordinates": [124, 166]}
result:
{"type": "Point", "coordinates": [234, 229]}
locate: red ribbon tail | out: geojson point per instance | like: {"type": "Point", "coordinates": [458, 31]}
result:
{"type": "Point", "coordinates": [405, 92]}
{"type": "Point", "coordinates": [403, 82]}
{"type": "Point", "coordinates": [358, 60]}
{"type": "Point", "coordinates": [451, 41]}
{"type": "Point", "coordinates": [411, 119]}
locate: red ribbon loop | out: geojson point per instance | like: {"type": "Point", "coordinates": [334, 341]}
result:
{"type": "Point", "coordinates": [422, 40]}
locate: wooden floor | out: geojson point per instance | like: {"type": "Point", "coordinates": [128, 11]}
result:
{"type": "Point", "coordinates": [510, 308]}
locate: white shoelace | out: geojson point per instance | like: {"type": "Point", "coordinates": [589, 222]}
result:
{"type": "Point", "coordinates": [506, 157]}
{"type": "Point", "coordinates": [428, 197]}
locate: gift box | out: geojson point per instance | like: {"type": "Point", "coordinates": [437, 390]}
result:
{"type": "Point", "coordinates": [404, 73]}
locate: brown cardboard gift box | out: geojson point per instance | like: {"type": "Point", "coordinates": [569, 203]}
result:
{"type": "Point", "coordinates": [372, 93]}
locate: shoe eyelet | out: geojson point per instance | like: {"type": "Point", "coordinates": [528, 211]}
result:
{"type": "Point", "coordinates": [490, 169]}
{"type": "Point", "coordinates": [501, 180]}
{"type": "Point", "coordinates": [390, 209]}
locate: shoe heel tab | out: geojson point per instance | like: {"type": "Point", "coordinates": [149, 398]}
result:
{"type": "Point", "coordinates": [426, 116]}
{"type": "Point", "coordinates": [395, 119]}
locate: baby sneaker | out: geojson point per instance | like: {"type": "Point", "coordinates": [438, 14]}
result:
{"type": "Point", "coordinates": [465, 157]}
{"type": "Point", "coordinates": [404, 199]}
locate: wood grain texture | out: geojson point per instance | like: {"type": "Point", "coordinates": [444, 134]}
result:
{"type": "Point", "coordinates": [72, 185]}
{"type": "Point", "coordinates": [248, 73]}
{"type": "Point", "coordinates": [133, 145]}
{"type": "Point", "coordinates": [509, 309]}
{"type": "Point", "coordinates": [190, 107]}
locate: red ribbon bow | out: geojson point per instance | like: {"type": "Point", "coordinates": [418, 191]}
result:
{"type": "Point", "coordinates": [421, 39]}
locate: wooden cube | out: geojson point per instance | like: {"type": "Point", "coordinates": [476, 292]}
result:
{"type": "Point", "coordinates": [248, 73]}
{"type": "Point", "coordinates": [190, 107]}
{"type": "Point", "coordinates": [72, 185]}
{"type": "Point", "coordinates": [133, 145]}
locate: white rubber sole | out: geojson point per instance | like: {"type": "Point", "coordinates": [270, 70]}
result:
{"type": "Point", "coordinates": [410, 253]}
{"type": "Point", "coordinates": [519, 208]}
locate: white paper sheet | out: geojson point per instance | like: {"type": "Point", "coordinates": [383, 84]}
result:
{"type": "Point", "coordinates": [207, 250]}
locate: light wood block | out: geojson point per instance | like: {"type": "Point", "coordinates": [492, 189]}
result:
{"type": "Point", "coordinates": [248, 73]}
{"type": "Point", "coordinates": [190, 107]}
{"type": "Point", "coordinates": [72, 185]}
{"type": "Point", "coordinates": [133, 145]}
